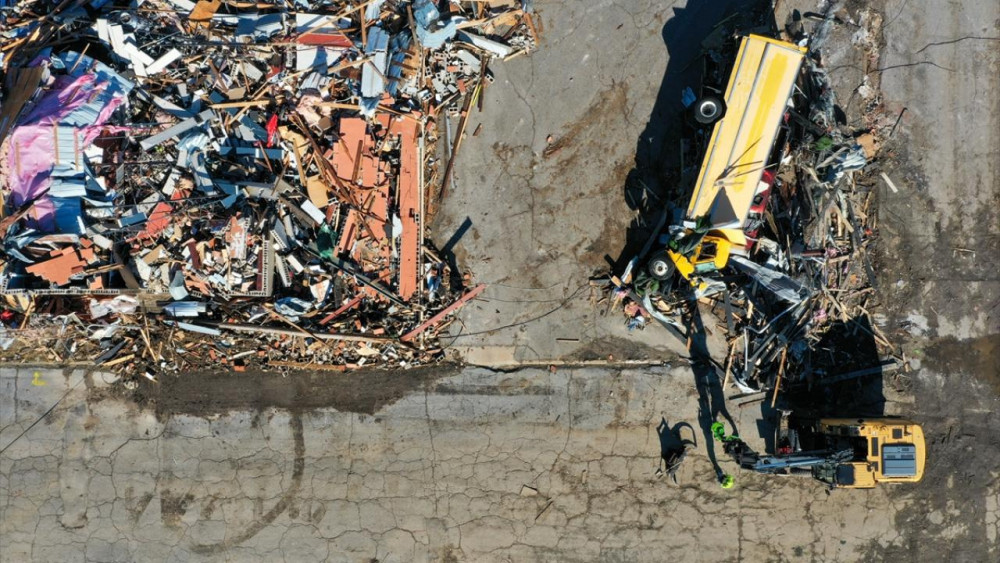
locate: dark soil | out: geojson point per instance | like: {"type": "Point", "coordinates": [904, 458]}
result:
{"type": "Point", "coordinates": [211, 393]}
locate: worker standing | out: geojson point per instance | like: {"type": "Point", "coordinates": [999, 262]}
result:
{"type": "Point", "coordinates": [719, 432]}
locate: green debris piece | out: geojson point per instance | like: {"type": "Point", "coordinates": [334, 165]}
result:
{"type": "Point", "coordinates": [326, 241]}
{"type": "Point", "coordinates": [824, 143]}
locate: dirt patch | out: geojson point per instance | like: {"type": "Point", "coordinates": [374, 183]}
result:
{"type": "Point", "coordinates": [173, 507]}
{"type": "Point", "coordinates": [609, 107]}
{"type": "Point", "coordinates": [576, 149]}
{"type": "Point", "coordinates": [616, 221]}
{"type": "Point", "coordinates": [624, 349]}
{"type": "Point", "coordinates": [977, 357]}
{"type": "Point", "coordinates": [206, 394]}
{"type": "Point", "coordinates": [910, 228]}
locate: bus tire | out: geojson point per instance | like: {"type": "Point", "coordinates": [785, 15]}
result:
{"type": "Point", "coordinates": [661, 267]}
{"type": "Point", "coordinates": [708, 110]}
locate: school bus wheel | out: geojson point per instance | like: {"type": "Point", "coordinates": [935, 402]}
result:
{"type": "Point", "coordinates": [661, 267]}
{"type": "Point", "coordinates": [708, 110]}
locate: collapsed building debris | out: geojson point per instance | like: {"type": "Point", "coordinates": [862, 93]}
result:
{"type": "Point", "coordinates": [188, 183]}
{"type": "Point", "coordinates": [777, 238]}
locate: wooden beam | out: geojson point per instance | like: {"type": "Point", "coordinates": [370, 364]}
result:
{"type": "Point", "coordinates": [469, 296]}
{"type": "Point", "coordinates": [243, 104]}
{"type": "Point", "coordinates": [308, 366]}
{"type": "Point", "coordinates": [729, 362]}
{"type": "Point", "coordinates": [449, 169]}
{"type": "Point", "coordinates": [343, 309]}
{"type": "Point", "coordinates": [777, 380]}
{"type": "Point", "coordinates": [317, 335]}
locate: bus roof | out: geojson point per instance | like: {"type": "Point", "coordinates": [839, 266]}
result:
{"type": "Point", "coordinates": [759, 87]}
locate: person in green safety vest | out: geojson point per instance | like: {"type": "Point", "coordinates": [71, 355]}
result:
{"type": "Point", "coordinates": [719, 432]}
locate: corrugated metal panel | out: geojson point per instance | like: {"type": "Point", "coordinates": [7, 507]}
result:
{"type": "Point", "coordinates": [68, 214]}
{"type": "Point", "coordinates": [67, 143]}
{"type": "Point", "coordinates": [116, 87]}
{"type": "Point", "coordinates": [398, 46]}
{"type": "Point", "coordinates": [373, 75]}
{"type": "Point", "coordinates": [259, 27]}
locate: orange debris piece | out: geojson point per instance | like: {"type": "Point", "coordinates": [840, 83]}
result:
{"type": "Point", "coordinates": [377, 207]}
{"type": "Point", "coordinates": [158, 220]}
{"type": "Point", "coordinates": [349, 233]}
{"type": "Point", "coordinates": [353, 130]}
{"type": "Point", "coordinates": [409, 205]}
{"type": "Point", "coordinates": [64, 263]}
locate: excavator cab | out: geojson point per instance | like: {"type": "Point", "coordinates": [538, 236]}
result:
{"type": "Point", "coordinates": [854, 475]}
{"type": "Point", "coordinates": [886, 450]}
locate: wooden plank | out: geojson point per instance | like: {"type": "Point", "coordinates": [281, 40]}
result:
{"type": "Point", "coordinates": [526, 18]}
{"type": "Point", "coordinates": [243, 104]}
{"type": "Point", "coordinates": [304, 334]}
{"type": "Point", "coordinates": [729, 363]}
{"type": "Point", "coordinates": [308, 366]}
{"type": "Point", "coordinates": [299, 144]}
{"type": "Point", "coordinates": [449, 169]}
{"type": "Point", "coordinates": [777, 381]}
{"type": "Point", "coordinates": [889, 183]}
{"type": "Point", "coordinates": [729, 311]}
{"type": "Point", "coordinates": [343, 309]}
{"type": "Point", "coordinates": [117, 361]}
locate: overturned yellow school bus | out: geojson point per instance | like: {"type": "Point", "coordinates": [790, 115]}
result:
{"type": "Point", "coordinates": [732, 178]}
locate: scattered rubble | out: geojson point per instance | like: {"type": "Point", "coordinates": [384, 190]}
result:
{"type": "Point", "coordinates": [807, 278]}
{"type": "Point", "coordinates": [189, 184]}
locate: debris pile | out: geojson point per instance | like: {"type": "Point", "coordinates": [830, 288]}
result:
{"type": "Point", "coordinates": [177, 170]}
{"type": "Point", "coordinates": [790, 305]}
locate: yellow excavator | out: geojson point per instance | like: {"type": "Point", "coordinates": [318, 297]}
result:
{"type": "Point", "coordinates": [841, 452]}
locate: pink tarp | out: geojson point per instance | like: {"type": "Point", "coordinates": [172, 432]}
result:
{"type": "Point", "coordinates": [32, 146]}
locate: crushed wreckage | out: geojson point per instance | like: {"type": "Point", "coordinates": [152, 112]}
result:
{"type": "Point", "coordinates": [194, 183]}
{"type": "Point", "coordinates": [776, 237]}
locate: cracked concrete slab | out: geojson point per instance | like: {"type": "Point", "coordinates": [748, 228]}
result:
{"type": "Point", "coordinates": [546, 215]}
{"type": "Point", "coordinates": [941, 65]}
{"type": "Point", "coordinates": [437, 475]}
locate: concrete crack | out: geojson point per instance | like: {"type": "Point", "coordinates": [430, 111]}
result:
{"type": "Point", "coordinates": [430, 436]}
